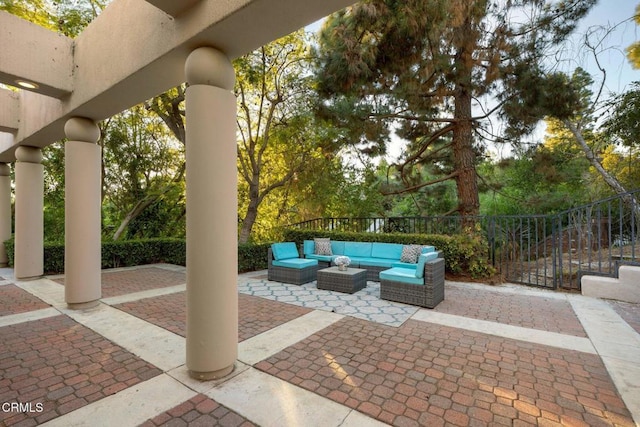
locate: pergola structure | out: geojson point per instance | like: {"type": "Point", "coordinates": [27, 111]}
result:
{"type": "Point", "coordinates": [134, 50]}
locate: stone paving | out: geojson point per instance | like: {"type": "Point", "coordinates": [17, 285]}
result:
{"type": "Point", "coordinates": [422, 374]}
{"type": "Point", "coordinates": [369, 361]}
{"type": "Point", "coordinates": [62, 366]}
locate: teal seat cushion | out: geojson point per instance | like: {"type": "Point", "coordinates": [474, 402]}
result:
{"type": "Point", "coordinates": [297, 263]}
{"type": "Point", "coordinates": [386, 250]}
{"type": "Point", "coordinates": [325, 258]}
{"type": "Point", "coordinates": [403, 275]}
{"type": "Point", "coordinates": [357, 249]}
{"type": "Point", "coordinates": [284, 250]}
{"type": "Point", "coordinates": [422, 260]}
{"type": "Point", "coordinates": [400, 264]}
{"type": "Point", "coordinates": [375, 262]}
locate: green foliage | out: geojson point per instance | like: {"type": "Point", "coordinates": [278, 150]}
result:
{"type": "Point", "coordinates": [464, 254]}
{"type": "Point", "coordinates": [126, 253]}
{"type": "Point", "coordinates": [633, 51]}
{"type": "Point", "coordinates": [623, 126]}
{"type": "Point", "coordinates": [281, 150]}
{"type": "Point", "coordinates": [416, 65]}
{"type": "Point", "coordinates": [252, 257]}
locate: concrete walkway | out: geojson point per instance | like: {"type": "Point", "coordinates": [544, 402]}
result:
{"type": "Point", "coordinates": [310, 357]}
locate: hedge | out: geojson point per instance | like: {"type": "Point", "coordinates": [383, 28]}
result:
{"type": "Point", "coordinates": [127, 253]}
{"type": "Point", "coordinates": [463, 253]}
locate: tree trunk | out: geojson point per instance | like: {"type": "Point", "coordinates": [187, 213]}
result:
{"type": "Point", "coordinates": [252, 213]}
{"type": "Point", "coordinates": [608, 178]}
{"type": "Point", "coordinates": [464, 157]}
{"type": "Point", "coordinates": [133, 213]}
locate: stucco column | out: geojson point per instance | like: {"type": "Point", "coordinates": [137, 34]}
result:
{"type": "Point", "coordinates": [29, 251]}
{"type": "Point", "coordinates": [212, 241]}
{"type": "Point", "coordinates": [82, 252]}
{"type": "Point", "coordinates": [5, 211]}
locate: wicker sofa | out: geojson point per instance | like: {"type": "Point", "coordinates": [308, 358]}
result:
{"type": "Point", "coordinates": [285, 265]}
{"type": "Point", "coordinates": [371, 256]}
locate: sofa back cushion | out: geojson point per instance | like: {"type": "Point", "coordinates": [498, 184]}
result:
{"type": "Point", "coordinates": [308, 247]}
{"type": "Point", "coordinates": [422, 260]}
{"type": "Point", "coordinates": [386, 250]}
{"type": "Point", "coordinates": [337, 247]}
{"type": "Point", "coordinates": [358, 249]}
{"type": "Point", "coordinates": [286, 250]}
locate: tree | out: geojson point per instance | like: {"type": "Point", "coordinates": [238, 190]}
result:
{"type": "Point", "coordinates": [633, 51]}
{"type": "Point", "coordinates": [143, 169]}
{"type": "Point", "coordinates": [68, 17]}
{"type": "Point", "coordinates": [278, 136]}
{"type": "Point", "coordinates": [420, 64]}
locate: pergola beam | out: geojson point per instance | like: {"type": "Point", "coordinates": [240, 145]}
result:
{"type": "Point", "coordinates": [34, 55]}
{"type": "Point", "coordinates": [173, 7]}
{"type": "Point", "coordinates": [134, 51]}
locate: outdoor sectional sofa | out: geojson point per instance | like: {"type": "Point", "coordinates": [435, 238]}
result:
{"type": "Point", "coordinates": [411, 274]}
{"type": "Point", "coordinates": [371, 256]}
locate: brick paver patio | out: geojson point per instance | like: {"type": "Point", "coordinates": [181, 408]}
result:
{"type": "Point", "coordinates": [14, 300]}
{"type": "Point", "coordinates": [256, 315]}
{"type": "Point", "coordinates": [417, 374]}
{"type": "Point", "coordinates": [533, 312]}
{"type": "Point", "coordinates": [63, 366]}
{"type": "Point", "coordinates": [431, 375]}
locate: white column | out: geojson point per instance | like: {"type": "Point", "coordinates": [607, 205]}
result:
{"type": "Point", "coordinates": [29, 228]}
{"type": "Point", "coordinates": [5, 211]}
{"type": "Point", "coordinates": [212, 241]}
{"type": "Point", "coordinates": [82, 263]}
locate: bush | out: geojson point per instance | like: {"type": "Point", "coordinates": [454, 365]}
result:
{"type": "Point", "coordinates": [127, 253]}
{"type": "Point", "coordinates": [464, 254]}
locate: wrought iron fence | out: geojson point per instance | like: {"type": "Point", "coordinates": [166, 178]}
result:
{"type": "Point", "coordinates": [550, 251]}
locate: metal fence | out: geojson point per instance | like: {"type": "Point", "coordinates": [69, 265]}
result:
{"type": "Point", "coordinates": [550, 251]}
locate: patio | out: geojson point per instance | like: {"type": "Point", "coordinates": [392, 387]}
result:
{"type": "Point", "coordinates": [487, 355]}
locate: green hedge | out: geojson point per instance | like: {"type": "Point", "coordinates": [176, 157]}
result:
{"type": "Point", "coordinates": [128, 253]}
{"type": "Point", "coordinates": [463, 254]}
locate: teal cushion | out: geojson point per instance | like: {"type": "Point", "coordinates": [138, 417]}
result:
{"type": "Point", "coordinates": [401, 264]}
{"type": "Point", "coordinates": [422, 260]}
{"type": "Point", "coordinates": [297, 263]}
{"type": "Point", "coordinates": [386, 250]}
{"type": "Point", "coordinates": [357, 249]}
{"type": "Point", "coordinates": [375, 262]}
{"type": "Point", "coordinates": [404, 275]}
{"type": "Point", "coordinates": [428, 249]}
{"type": "Point", "coordinates": [337, 247]}
{"type": "Point", "coordinates": [325, 258]}
{"type": "Point", "coordinates": [284, 250]}
{"type": "Point", "coordinates": [308, 247]}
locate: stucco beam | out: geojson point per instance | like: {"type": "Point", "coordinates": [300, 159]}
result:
{"type": "Point", "coordinates": [173, 7]}
{"type": "Point", "coordinates": [134, 51]}
{"type": "Point", "coordinates": [34, 54]}
{"type": "Point", "coordinates": [9, 111]}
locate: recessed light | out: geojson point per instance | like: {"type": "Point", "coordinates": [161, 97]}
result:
{"type": "Point", "coordinates": [26, 84]}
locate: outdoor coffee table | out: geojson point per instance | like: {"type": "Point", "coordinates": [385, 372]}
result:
{"type": "Point", "coordinates": [349, 281]}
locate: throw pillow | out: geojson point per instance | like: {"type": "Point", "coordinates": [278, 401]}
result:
{"type": "Point", "coordinates": [410, 253]}
{"type": "Point", "coordinates": [323, 246]}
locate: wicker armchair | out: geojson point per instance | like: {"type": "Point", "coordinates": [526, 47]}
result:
{"type": "Point", "coordinates": [394, 287]}
{"type": "Point", "coordinates": [296, 276]}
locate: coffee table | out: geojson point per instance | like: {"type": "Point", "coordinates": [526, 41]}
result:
{"type": "Point", "coordinates": [349, 281]}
